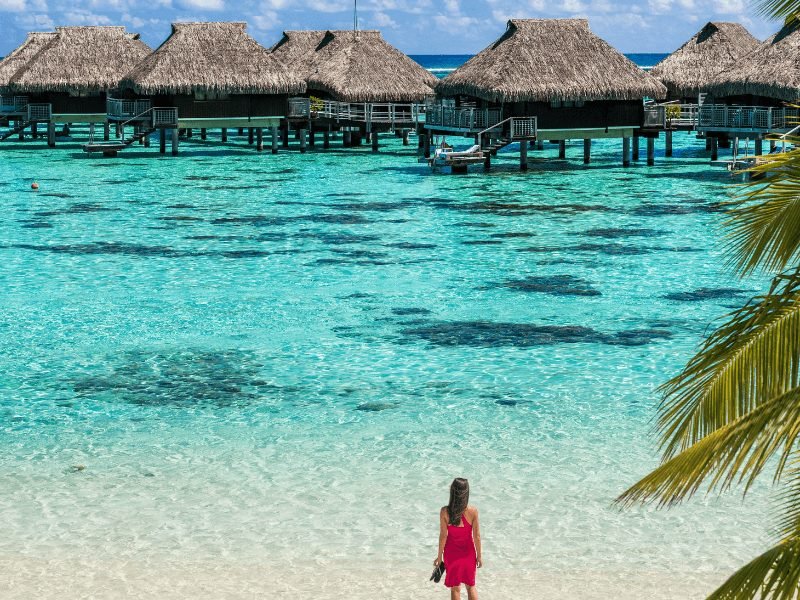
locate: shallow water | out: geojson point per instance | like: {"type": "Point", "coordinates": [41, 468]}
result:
{"type": "Point", "coordinates": [270, 368]}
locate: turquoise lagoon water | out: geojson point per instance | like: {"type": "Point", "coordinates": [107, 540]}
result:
{"type": "Point", "coordinates": [231, 373]}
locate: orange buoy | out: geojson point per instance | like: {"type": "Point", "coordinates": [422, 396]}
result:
{"type": "Point", "coordinates": [34, 186]}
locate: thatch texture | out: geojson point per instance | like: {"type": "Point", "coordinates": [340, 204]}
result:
{"type": "Point", "coordinates": [360, 66]}
{"type": "Point", "coordinates": [17, 59]}
{"type": "Point", "coordinates": [772, 70]}
{"type": "Point", "coordinates": [296, 50]}
{"type": "Point", "coordinates": [81, 59]}
{"type": "Point", "coordinates": [716, 47]}
{"type": "Point", "coordinates": [538, 60]}
{"type": "Point", "coordinates": [211, 57]}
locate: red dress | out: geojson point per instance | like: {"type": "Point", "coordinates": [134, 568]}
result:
{"type": "Point", "coordinates": [460, 560]}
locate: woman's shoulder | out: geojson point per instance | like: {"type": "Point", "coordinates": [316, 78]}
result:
{"type": "Point", "coordinates": [472, 509]}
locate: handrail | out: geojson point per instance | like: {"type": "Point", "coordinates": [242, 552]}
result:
{"type": "Point", "coordinates": [790, 132]}
{"type": "Point", "coordinates": [488, 129]}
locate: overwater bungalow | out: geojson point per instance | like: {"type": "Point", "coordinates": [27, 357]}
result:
{"type": "Point", "coordinates": [211, 75]}
{"type": "Point", "coordinates": [716, 47]}
{"type": "Point", "coordinates": [359, 82]}
{"type": "Point", "coordinates": [14, 109]}
{"type": "Point", "coordinates": [755, 97]}
{"type": "Point", "coordinates": [67, 80]}
{"type": "Point", "coordinates": [548, 78]}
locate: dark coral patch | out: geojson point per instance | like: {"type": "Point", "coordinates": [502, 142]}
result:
{"type": "Point", "coordinates": [702, 294]}
{"type": "Point", "coordinates": [556, 285]}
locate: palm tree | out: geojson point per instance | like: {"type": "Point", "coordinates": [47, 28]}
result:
{"type": "Point", "coordinates": [734, 411]}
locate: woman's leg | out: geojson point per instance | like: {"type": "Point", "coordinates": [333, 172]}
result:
{"type": "Point", "coordinates": [472, 592]}
{"type": "Point", "coordinates": [455, 593]}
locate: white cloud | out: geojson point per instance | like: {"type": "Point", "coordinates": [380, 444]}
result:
{"type": "Point", "coordinates": [204, 4]}
{"type": "Point", "coordinates": [12, 5]}
{"type": "Point", "coordinates": [381, 19]}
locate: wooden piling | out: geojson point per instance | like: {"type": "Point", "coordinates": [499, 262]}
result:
{"type": "Point", "coordinates": [405, 133]}
{"type": "Point", "coordinates": [772, 146]}
{"type": "Point", "coordinates": [587, 151]}
{"type": "Point", "coordinates": [635, 145]}
{"type": "Point", "coordinates": [540, 145]}
{"type": "Point", "coordinates": [374, 141]}
{"type": "Point", "coordinates": [146, 140]}
{"type": "Point", "coordinates": [274, 131]}
{"type": "Point", "coordinates": [250, 133]}
{"type": "Point", "coordinates": [174, 142]}
{"type": "Point", "coordinates": [34, 131]}
{"type": "Point", "coordinates": [259, 139]}
{"type": "Point", "coordinates": [162, 141]}
{"type": "Point", "coordinates": [714, 148]}
{"type": "Point", "coordinates": [487, 160]}
{"type": "Point", "coordinates": [224, 135]}
{"type": "Point", "coordinates": [241, 131]}
{"type": "Point", "coordinates": [668, 143]}
{"type": "Point", "coordinates": [312, 138]}
{"type": "Point", "coordinates": [759, 145]}
{"type": "Point", "coordinates": [523, 156]}
{"type": "Point", "coordinates": [51, 134]}
{"type": "Point", "coordinates": [347, 138]}
{"type": "Point", "coordinates": [189, 133]}
{"type": "Point", "coordinates": [427, 144]}
{"type": "Point", "coordinates": [106, 131]}
{"type": "Point", "coordinates": [708, 143]}
{"type": "Point", "coordinates": [203, 133]}
{"type": "Point", "coordinates": [326, 139]}
{"type": "Point", "coordinates": [285, 134]}
{"type": "Point", "coordinates": [302, 141]}
{"type": "Point", "coordinates": [651, 151]}
{"type": "Point", "coordinates": [562, 149]}
{"type": "Point", "coordinates": [22, 131]}
{"type": "Point", "coordinates": [626, 152]}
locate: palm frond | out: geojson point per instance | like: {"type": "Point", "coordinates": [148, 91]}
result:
{"type": "Point", "coordinates": [737, 452]}
{"type": "Point", "coordinates": [764, 221]}
{"type": "Point", "coordinates": [777, 9]}
{"type": "Point", "coordinates": [775, 574]}
{"type": "Point", "coordinates": [754, 356]}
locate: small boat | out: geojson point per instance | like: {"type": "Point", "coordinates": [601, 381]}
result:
{"type": "Point", "coordinates": [444, 156]}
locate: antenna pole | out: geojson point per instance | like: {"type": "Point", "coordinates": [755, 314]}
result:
{"type": "Point", "coordinates": [355, 15]}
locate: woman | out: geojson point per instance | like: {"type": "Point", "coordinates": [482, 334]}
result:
{"type": "Point", "coordinates": [459, 541]}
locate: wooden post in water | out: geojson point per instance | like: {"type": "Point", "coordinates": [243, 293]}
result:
{"type": "Point", "coordinates": [540, 145]}
{"type": "Point", "coordinates": [146, 139]}
{"type": "Point", "coordinates": [241, 131]}
{"type": "Point", "coordinates": [651, 151]}
{"type": "Point", "coordinates": [326, 138]}
{"type": "Point", "coordinates": [302, 141]}
{"type": "Point", "coordinates": [250, 133]}
{"type": "Point", "coordinates": [562, 149]}
{"type": "Point", "coordinates": [523, 155]}
{"type": "Point", "coordinates": [405, 133]}
{"type": "Point", "coordinates": [91, 131]}
{"type": "Point", "coordinates": [771, 146]}
{"type": "Point", "coordinates": [587, 151]}
{"type": "Point", "coordinates": [174, 142]}
{"type": "Point", "coordinates": [22, 131]}
{"type": "Point", "coordinates": [347, 138]}
{"type": "Point", "coordinates": [106, 131]}
{"type": "Point", "coordinates": [487, 160]}
{"type": "Point", "coordinates": [626, 152]}
{"type": "Point", "coordinates": [285, 134]}
{"type": "Point", "coordinates": [162, 141]}
{"type": "Point", "coordinates": [635, 153]}
{"type": "Point", "coordinates": [759, 145]}
{"type": "Point", "coordinates": [421, 141]}
{"type": "Point", "coordinates": [708, 143]}
{"type": "Point", "coordinates": [259, 139]}
{"type": "Point", "coordinates": [189, 133]}
{"type": "Point", "coordinates": [34, 131]}
{"type": "Point", "coordinates": [714, 148]}
{"type": "Point", "coordinates": [374, 141]}
{"type": "Point", "coordinates": [311, 137]}
{"type": "Point", "coordinates": [51, 134]}
{"type": "Point", "coordinates": [668, 143]}
{"type": "Point", "coordinates": [203, 133]}
{"type": "Point", "coordinates": [274, 131]}
{"type": "Point", "coordinates": [224, 135]}
{"type": "Point", "coordinates": [427, 144]}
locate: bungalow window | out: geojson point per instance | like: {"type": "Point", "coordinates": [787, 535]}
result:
{"type": "Point", "coordinates": [566, 103]}
{"type": "Point", "coordinates": [204, 96]}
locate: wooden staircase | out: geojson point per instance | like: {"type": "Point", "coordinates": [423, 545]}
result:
{"type": "Point", "coordinates": [18, 129]}
{"type": "Point", "coordinates": [113, 147]}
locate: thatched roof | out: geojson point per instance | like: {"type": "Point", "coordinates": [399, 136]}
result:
{"type": "Point", "coordinates": [81, 59]}
{"type": "Point", "coordinates": [217, 57]}
{"type": "Point", "coordinates": [716, 47]}
{"type": "Point", "coordinates": [19, 57]}
{"type": "Point", "coordinates": [539, 60]}
{"type": "Point", "coordinates": [771, 70]}
{"type": "Point", "coordinates": [296, 50]}
{"type": "Point", "coordinates": [360, 66]}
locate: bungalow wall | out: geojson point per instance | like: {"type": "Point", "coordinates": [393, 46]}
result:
{"type": "Point", "coordinates": [64, 103]}
{"type": "Point", "coordinates": [599, 114]}
{"type": "Point", "coordinates": [747, 100]}
{"type": "Point", "coordinates": [233, 106]}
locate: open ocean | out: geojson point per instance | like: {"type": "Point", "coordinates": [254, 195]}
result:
{"type": "Point", "coordinates": [237, 375]}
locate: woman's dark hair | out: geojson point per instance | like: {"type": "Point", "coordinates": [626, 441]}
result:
{"type": "Point", "coordinates": [459, 498]}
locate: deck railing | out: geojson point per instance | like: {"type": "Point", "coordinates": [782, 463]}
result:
{"type": "Point", "coordinates": [39, 112]}
{"type": "Point", "coordinates": [655, 117]}
{"type": "Point", "coordinates": [164, 117]}
{"type": "Point", "coordinates": [13, 104]}
{"type": "Point", "coordinates": [117, 109]}
{"type": "Point", "coordinates": [523, 128]}
{"type": "Point", "coordinates": [469, 119]}
{"type": "Point", "coordinates": [756, 118]}
{"type": "Point", "coordinates": [363, 112]}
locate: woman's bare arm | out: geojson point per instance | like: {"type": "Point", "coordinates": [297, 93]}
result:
{"type": "Point", "coordinates": [476, 535]}
{"type": "Point", "coordinates": [442, 536]}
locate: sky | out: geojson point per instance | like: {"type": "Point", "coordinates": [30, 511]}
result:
{"type": "Point", "coordinates": [414, 26]}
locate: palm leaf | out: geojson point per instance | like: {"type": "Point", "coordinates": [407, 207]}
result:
{"type": "Point", "coordinates": [777, 9]}
{"type": "Point", "coordinates": [764, 221]}
{"type": "Point", "coordinates": [752, 357]}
